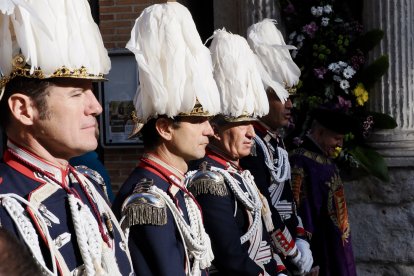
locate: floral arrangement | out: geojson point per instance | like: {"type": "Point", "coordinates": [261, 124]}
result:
{"type": "Point", "coordinates": [331, 50]}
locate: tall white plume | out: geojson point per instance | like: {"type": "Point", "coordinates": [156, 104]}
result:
{"type": "Point", "coordinates": [237, 76]}
{"type": "Point", "coordinates": [174, 66]}
{"type": "Point", "coordinates": [268, 44]}
{"type": "Point", "coordinates": [51, 34]}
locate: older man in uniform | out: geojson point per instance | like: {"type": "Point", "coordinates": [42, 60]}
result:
{"type": "Point", "coordinates": [269, 161]}
{"type": "Point", "coordinates": [51, 52]}
{"type": "Point", "coordinates": [176, 97]}
{"type": "Point", "coordinates": [319, 193]}
{"type": "Point", "coordinates": [236, 216]}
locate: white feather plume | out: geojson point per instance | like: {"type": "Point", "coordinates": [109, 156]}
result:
{"type": "Point", "coordinates": [268, 44]}
{"type": "Point", "coordinates": [51, 34]}
{"type": "Point", "coordinates": [5, 46]}
{"type": "Point", "coordinates": [175, 67]}
{"type": "Point", "coordinates": [237, 76]}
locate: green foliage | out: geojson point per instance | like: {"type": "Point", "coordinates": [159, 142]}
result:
{"type": "Point", "coordinates": [383, 121]}
{"type": "Point", "coordinates": [373, 72]}
{"type": "Point", "coordinates": [371, 161]}
{"type": "Point", "coordinates": [369, 40]}
{"type": "Point", "coordinates": [331, 50]}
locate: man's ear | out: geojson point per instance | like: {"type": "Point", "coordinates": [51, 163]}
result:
{"type": "Point", "coordinates": [164, 128]}
{"type": "Point", "coordinates": [21, 107]}
{"type": "Point", "coordinates": [216, 129]}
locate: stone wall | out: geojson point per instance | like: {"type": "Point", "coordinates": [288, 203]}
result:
{"type": "Point", "coordinates": [382, 223]}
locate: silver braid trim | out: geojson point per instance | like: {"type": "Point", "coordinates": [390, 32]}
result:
{"type": "Point", "coordinates": [11, 203]}
{"type": "Point", "coordinates": [196, 241]}
{"type": "Point", "coordinates": [281, 170]}
{"type": "Point", "coordinates": [251, 200]}
{"type": "Point", "coordinates": [88, 245]}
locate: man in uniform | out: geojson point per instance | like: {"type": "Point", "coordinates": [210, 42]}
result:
{"type": "Point", "coordinates": [50, 54]}
{"type": "Point", "coordinates": [269, 161]}
{"type": "Point", "coordinates": [176, 97]}
{"type": "Point", "coordinates": [235, 214]}
{"type": "Point", "coordinates": [319, 193]}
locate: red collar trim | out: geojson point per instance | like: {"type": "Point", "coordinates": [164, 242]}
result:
{"type": "Point", "coordinates": [161, 171]}
{"type": "Point", "coordinates": [221, 159]}
{"type": "Point", "coordinates": [15, 164]}
{"type": "Point", "coordinates": [174, 180]}
{"type": "Point", "coordinates": [21, 155]}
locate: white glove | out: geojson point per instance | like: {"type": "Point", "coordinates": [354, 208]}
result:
{"type": "Point", "coordinates": [305, 261]}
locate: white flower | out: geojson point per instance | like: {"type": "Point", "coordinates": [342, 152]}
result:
{"type": "Point", "coordinates": [292, 35]}
{"type": "Point", "coordinates": [294, 53]}
{"type": "Point", "coordinates": [342, 64]}
{"type": "Point", "coordinates": [300, 38]}
{"type": "Point", "coordinates": [317, 11]}
{"type": "Point", "coordinates": [334, 67]}
{"type": "Point", "coordinates": [327, 9]}
{"type": "Point", "coordinates": [344, 84]}
{"type": "Point", "coordinates": [348, 72]}
{"type": "Point", "coordinates": [337, 78]}
{"type": "Point", "coordinates": [325, 21]}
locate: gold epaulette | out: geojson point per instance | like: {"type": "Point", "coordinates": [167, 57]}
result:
{"type": "Point", "coordinates": [143, 206]}
{"type": "Point", "coordinates": [205, 181]}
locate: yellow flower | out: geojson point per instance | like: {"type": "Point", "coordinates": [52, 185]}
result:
{"type": "Point", "coordinates": [337, 151]}
{"type": "Point", "coordinates": [361, 94]}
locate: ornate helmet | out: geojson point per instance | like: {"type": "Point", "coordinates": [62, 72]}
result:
{"type": "Point", "coordinates": [175, 70]}
{"type": "Point", "coordinates": [49, 39]}
{"type": "Point", "coordinates": [268, 44]}
{"type": "Point", "coordinates": [242, 93]}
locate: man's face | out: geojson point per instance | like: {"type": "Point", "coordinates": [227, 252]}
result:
{"type": "Point", "coordinates": [69, 127]}
{"type": "Point", "coordinates": [190, 139]}
{"type": "Point", "coordinates": [235, 139]}
{"type": "Point", "coordinates": [329, 140]}
{"type": "Point", "coordinates": [279, 114]}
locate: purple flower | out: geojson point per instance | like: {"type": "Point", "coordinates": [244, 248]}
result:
{"type": "Point", "coordinates": [289, 9]}
{"type": "Point", "coordinates": [297, 141]}
{"type": "Point", "coordinates": [310, 29]}
{"type": "Point", "coordinates": [357, 27]}
{"type": "Point", "coordinates": [320, 72]}
{"type": "Point", "coordinates": [357, 60]}
{"type": "Point", "coordinates": [367, 126]}
{"type": "Point", "coordinates": [343, 104]}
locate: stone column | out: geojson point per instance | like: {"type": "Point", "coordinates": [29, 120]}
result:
{"type": "Point", "coordinates": [394, 94]}
{"type": "Point", "coordinates": [381, 214]}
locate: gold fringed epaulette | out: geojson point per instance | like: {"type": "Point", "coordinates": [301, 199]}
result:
{"type": "Point", "coordinates": [143, 206]}
{"type": "Point", "coordinates": [206, 181]}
